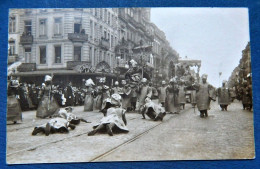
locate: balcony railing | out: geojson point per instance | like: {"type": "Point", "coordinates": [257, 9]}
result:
{"type": "Point", "coordinates": [104, 43]}
{"type": "Point", "coordinates": [78, 37]}
{"type": "Point", "coordinates": [26, 39]}
{"type": "Point", "coordinates": [73, 64]}
{"type": "Point", "coordinates": [12, 58]}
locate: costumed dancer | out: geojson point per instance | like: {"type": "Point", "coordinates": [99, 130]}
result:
{"type": "Point", "coordinates": [144, 92]}
{"type": "Point", "coordinates": [224, 96]}
{"type": "Point", "coordinates": [114, 118]}
{"type": "Point", "coordinates": [14, 112]}
{"type": "Point", "coordinates": [126, 95]}
{"type": "Point", "coordinates": [89, 98]}
{"type": "Point", "coordinates": [48, 105]}
{"type": "Point", "coordinates": [154, 111]}
{"type": "Point", "coordinates": [172, 101]}
{"type": "Point", "coordinates": [69, 95]}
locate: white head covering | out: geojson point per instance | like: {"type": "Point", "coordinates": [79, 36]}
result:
{"type": "Point", "coordinates": [102, 80]}
{"type": "Point", "coordinates": [116, 83]}
{"type": "Point", "coordinates": [89, 82]}
{"type": "Point", "coordinates": [133, 62]}
{"type": "Point", "coordinates": [163, 82]}
{"type": "Point", "coordinates": [173, 80]}
{"type": "Point", "coordinates": [123, 82]}
{"type": "Point", "coordinates": [106, 87]}
{"type": "Point", "coordinates": [48, 78]}
{"type": "Point", "coordinates": [204, 76]}
{"type": "Point", "coordinates": [144, 80]}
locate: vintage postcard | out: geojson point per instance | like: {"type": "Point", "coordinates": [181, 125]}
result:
{"type": "Point", "coordinates": [128, 84]}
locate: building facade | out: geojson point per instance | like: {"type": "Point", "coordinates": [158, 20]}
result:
{"type": "Point", "coordinates": [101, 39]}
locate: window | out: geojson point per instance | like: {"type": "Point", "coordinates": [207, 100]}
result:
{"type": "Point", "coordinates": [77, 25]}
{"type": "Point", "coordinates": [90, 54]}
{"type": "Point", "coordinates": [112, 41]}
{"type": "Point", "coordinates": [28, 27]}
{"type": "Point", "coordinates": [11, 24]}
{"type": "Point", "coordinates": [95, 56]}
{"type": "Point", "coordinates": [100, 56]}
{"type": "Point", "coordinates": [57, 50]}
{"type": "Point", "coordinates": [57, 26]}
{"type": "Point", "coordinates": [95, 31]}
{"type": "Point", "coordinates": [77, 53]}
{"type": "Point", "coordinates": [101, 13]}
{"type": "Point", "coordinates": [100, 31]}
{"type": "Point", "coordinates": [108, 20]}
{"type": "Point", "coordinates": [91, 29]}
{"type": "Point", "coordinates": [105, 34]}
{"type": "Point", "coordinates": [105, 15]}
{"type": "Point", "coordinates": [42, 27]}
{"type": "Point", "coordinates": [43, 55]}
{"type": "Point", "coordinates": [28, 55]}
{"type": "Point", "coordinates": [11, 47]}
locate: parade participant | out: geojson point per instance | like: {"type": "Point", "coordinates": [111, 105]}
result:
{"type": "Point", "coordinates": [134, 95]}
{"type": "Point", "coordinates": [48, 105]}
{"type": "Point", "coordinates": [126, 95]}
{"type": "Point", "coordinates": [14, 112]}
{"type": "Point", "coordinates": [154, 91]}
{"type": "Point", "coordinates": [23, 97]}
{"type": "Point", "coordinates": [69, 95]}
{"type": "Point", "coordinates": [89, 95]}
{"type": "Point", "coordinates": [223, 96]}
{"type": "Point", "coordinates": [182, 94]}
{"type": "Point", "coordinates": [246, 93]}
{"type": "Point", "coordinates": [172, 103]}
{"type": "Point", "coordinates": [114, 118]}
{"type": "Point", "coordinates": [152, 110]}
{"type": "Point", "coordinates": [144, 92]}
{"type": "Point", "coordinates": [67, 114]}
{"type": "Point", "coordinates": [116, 89]}
{"type": "Point", "coordinates": [205, 93]}
{"type": "Point", "coordinates": [162, 93]}
{"type": "Point", "coordinates": [55, 125]}
{"type": "Point", "coordinates": [34, 95]}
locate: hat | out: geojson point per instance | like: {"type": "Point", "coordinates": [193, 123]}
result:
{"type": "Point", "coordinates": [43, 84]}
{"type": "Point", "coordinates": [204, 76]}
{"type": "Point", "coordinates": [144, 80]}
{"type": "Point", "coordinates": [14, 83]}
{"type": "Point", "coordinates": [163, 82]}
{"type": "Point", "coordinates": [116, 97]}
{"type": "Point", "coordinates": [123, 82]}
{"type": "Point", "coordinates": [89, 82]}
{"type": "Point", "coordinates": [116, 83]}
{"type": "Point", "coordinates": [48, 78]}
{"type": "Point", "coordinates": [133, 62]}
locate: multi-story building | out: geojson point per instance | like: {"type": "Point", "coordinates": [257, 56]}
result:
{"type": "Point", "coordinates": [55, 41]}
{"type": "Point", "coordinates": [13, 35]}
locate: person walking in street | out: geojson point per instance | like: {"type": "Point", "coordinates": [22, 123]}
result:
{"type": "Point", "coordinates": [69, 95]}
{"type": "Point", "coordinates": [223, 96]}
{"type": "Point", "coordinates": [162, 93]}
{"type": "Point", "coordinates": [144, 92]}
{"type": "Point", "coordinates": [172, 101]}
{"type": "Point", "coordinates": [89, 96]}
{"type": "Point", "coordinates": [48, 105]}
{"type": "Point", "coordinates": [205, 93]}
{"type": "Point", "coordinates": [182, 92]}
{"type": "Point", "coordinates": [246, 93]}
{"type": "Point", "coordinates": [14, 112]}
{"type": "Point", "coordinates": [126, 96]}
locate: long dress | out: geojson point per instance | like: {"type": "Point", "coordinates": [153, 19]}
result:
{"type": "Point", "coordinates": [172, 101]}
{"type": "Point", "coordinates": [14, 112]}
{"type": "Point", "coordinates": [203, 95]}
{"type": "Point", "coordinates": [223, 96]}
{"type": "Point", "coordinates": [48, 105]}
{"type": "Point", "coordinates": [182, 98]}
{"type": "Point", "coordinates": [89, 100]}
{"type": "Point", "coordinates": [114, 115]}
{"type": "Point", "coordinates": [126, 101]}
{"type": "Point", "coordinates": [162, 94]}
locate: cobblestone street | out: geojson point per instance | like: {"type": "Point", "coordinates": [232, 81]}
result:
{"type": "Point", "coordinates": [223, 135]}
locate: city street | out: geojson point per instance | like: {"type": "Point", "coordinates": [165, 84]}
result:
{"type": "Point", "coordinates": [184, 136]}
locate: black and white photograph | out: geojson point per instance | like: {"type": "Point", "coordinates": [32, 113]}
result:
{"type": "Point", "coordinates": [128, 84]}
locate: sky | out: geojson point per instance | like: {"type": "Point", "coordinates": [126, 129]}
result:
{"type": "Point", "coordinates": [216, 36]}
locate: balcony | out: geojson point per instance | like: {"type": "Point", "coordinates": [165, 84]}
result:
{"type": "Point", "coordinates": [26, 39]}
{"type": "Point", "coordinates": [27, 67]}
{"type": "Point", "coordinates": [78, 37]}
{"type": "Point", "coordinates": [104, 43]}
{"type": "Point", "coordinates": [72, 64]}
{"type": "Point", "coordinates": [12, 58]}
